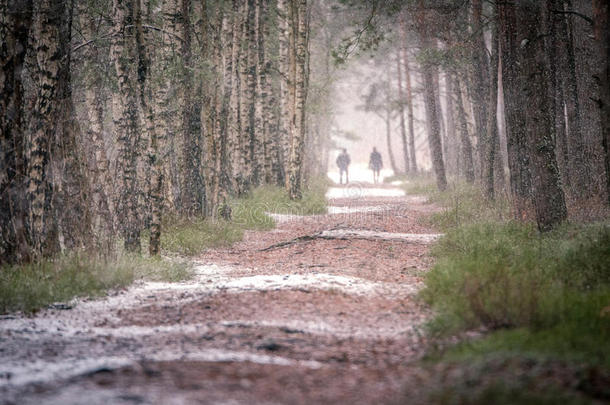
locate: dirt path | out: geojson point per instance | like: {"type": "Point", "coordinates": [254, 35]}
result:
{"type": "Point", "coordinates": [295, 315]}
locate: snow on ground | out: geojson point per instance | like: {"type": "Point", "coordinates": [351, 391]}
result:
{"type": "Point", "coordinates": [355, 190]}
{"type": "Point", "coordinates": [40, 371]}
{"type": "Point", "coordinates": [55, 344]}
{"type": "Point", "coordinates": [361, 173]}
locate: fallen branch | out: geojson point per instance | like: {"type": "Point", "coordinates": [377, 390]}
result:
{"type": "Point", "coordinates": [347, 234]}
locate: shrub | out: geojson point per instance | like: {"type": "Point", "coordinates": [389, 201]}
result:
{"type": "Point", "coordinates": [507, 276]}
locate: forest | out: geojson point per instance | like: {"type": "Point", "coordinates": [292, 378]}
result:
{"type": "Point", "coordinates": [143, 139]}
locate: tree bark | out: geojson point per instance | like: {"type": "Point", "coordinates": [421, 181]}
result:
{"type": "Point", "coordinates": [15, 21]}
{"type": "Point", "coordinates": [401, 103]}
{"type": "Point", "coordinates": [103, 226]}
{"type": "Point", "coordinates": [388, 137]}
{"type": "Point", "coordinates": [547, 194]}
{"type": "Point", "coordinates": [126, 121]}
{"type": "Point", "coordinates": [601, 29]}
{"type": "Point", "coordinates": [466, 145]}
{"type": "Point", "coordinates": [300, 99]}
{"type": "Point", "coordinates": [518, 158]}
{"type": "Point", "coordinates": [46, 33]}
{"type": "Point", "coordinates": [192, 189]}
{"type": "Point", "coordinates": [434, 136]}
{"type": "Point", "coordinates": [492, 116]}
{"type": "Point", "coordinates": [480, 83]}
{"type": "Point", "coordinates": [410, 115]}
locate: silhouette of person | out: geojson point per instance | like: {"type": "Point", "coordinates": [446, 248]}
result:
{"type": "Point", "coordinates": [375, 164]}
{"type": "Point", "coordinates": [343, 162]}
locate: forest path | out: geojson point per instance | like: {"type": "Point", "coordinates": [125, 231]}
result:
{"type": "Point", "coordinates": [291, 315]}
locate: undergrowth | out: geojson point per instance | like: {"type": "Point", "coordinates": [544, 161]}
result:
{"type": "Point", "coordinates": [29, 287]}
{"type": "Point", "coordinates": [535, 296]}
{"type": "Point", "coordinates": [273, 199]}
{"type": "Point", "coordinates": [193, 235]}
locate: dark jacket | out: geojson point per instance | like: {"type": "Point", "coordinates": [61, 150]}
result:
{"type": "Point", "coordinates": [343, 161]}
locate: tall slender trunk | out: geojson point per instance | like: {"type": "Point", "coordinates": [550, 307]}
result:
{"type": "Point", "coordinates": [145, 50]}
{"type": "Point", "coordinates": [601, 29]}
{"type": "Point", "coordinates": [518, 157]}
{"type": "Point", "coordinates": [46, 33]}
{"type": "Point", "coordinates": [409, 99]}
{"type": "Point", "coordinates": [260, 142]}
{"type": "Point", "coordinates": [247, 72]}
{"type": "Point", "coordinates": [439, 111]}
{"type": "Point", "coordinates": [94, 101]}
{"type": "Point", "coordinates": [548, 197]}
{"type": "Point", "coordinates": [192, 189]}
{"type": "Point", "coordinates": [15, 21]}
{"type": "Point", "coordinates": [233, 120]}
{"type": "Point", "coordinates": [284, 9]}
{"type": "Point", "coordinates": [480, 84]}
{"type": "Point", "coordinates": [403, 129]}
{"type": "Point", "coordinates": [126, 121]}
{"type": "Point", "coordinates": [578, 166]}
{"type": "Point", "coordinates": [451, 155]}
{"type": "Point", "coordinates": [301, 77]}
{"type": "Point", "coordinates": [466, 145]}
{"type": "Point", "coordinates": [434, 135]}
{"type": "Point", "coordinates": [492, 116]}
{"type": "Point", "coordinates": [388, 137]}
{"type": "Point", "coordinates": [71, 188]}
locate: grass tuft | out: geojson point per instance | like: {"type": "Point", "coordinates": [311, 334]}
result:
{"type": "Point", "coordinates": [540, 297]}
{"type": "Point", "coordinates": [29, 287]}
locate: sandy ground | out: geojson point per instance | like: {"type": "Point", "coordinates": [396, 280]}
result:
{"type": "Point", "coordinates": [320, 310]}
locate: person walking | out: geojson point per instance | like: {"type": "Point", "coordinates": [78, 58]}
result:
{"type": "Point", "coordinates": [343, 162]}
{"type": "Point", "coordinates": [375, 164]}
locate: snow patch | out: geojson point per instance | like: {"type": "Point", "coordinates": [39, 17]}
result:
{"type": "Point", "coordinates": [356, 191]}
{"type": "Point", "coordinates": [39, 371]}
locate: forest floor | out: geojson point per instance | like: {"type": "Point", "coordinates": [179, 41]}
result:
{"type": "Point", "coordinates": [322, 309]}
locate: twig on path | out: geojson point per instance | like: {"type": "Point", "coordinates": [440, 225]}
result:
{"type": "Point", "coordinates": [347, 234]}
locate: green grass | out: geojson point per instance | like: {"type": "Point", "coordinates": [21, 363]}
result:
{"type": "Point", "coordinates": [189, 237]}
{"type": "Point", "coordinates": [554, 289]}
{"type": "Point", "coordinates": [29, 287]}
{"type": "Point", "coordinates": [274, 199]}
{"type": "Point", "coordinates": [541, 297]}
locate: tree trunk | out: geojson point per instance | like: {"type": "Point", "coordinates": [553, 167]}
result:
{"type": "Point", "coordinates": [192, 189]}
{"type": "Point", "coordinates": [388, 137]}
{"type": "Point", "coordinates": [46, 33]}
{"type": "Point", "coordinates": [260, 141]}
{"type": "Point", "coordinates": [401, 103]}
{"type": "Point", "coordinates": [492, 116]}
{"type": "Point", "coordinates": [285, 23]}
{"type": "Point", "coordinates": [518, 158]}
{"type": "Point", "coordinates": [434, 136]}
{"type": "Point", "coordinates": [103, 226]}
{"type": "Point", "coordinates": [70, 197]}
{"type": "Point", "coordinates": [410, 115]}
{"type": "Point", "coordinates": [247, 70]}
{"type": "Point", "coordinates": [300, 98]}
{"type": "Point", "coordinates": [466, 145]}
{"type": "Point", "coordinates": [451, 155]}
{"type": "Point", "coordinates": [15, 21]}
{"type": "Point", "coordinates": [548, 197]}
{"type": "Point", "coordinates": [126, 121]}
{"type": "Point", "coordinates": [480, 79]}
{"type": "Point", "coordinates": [601, 31]}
